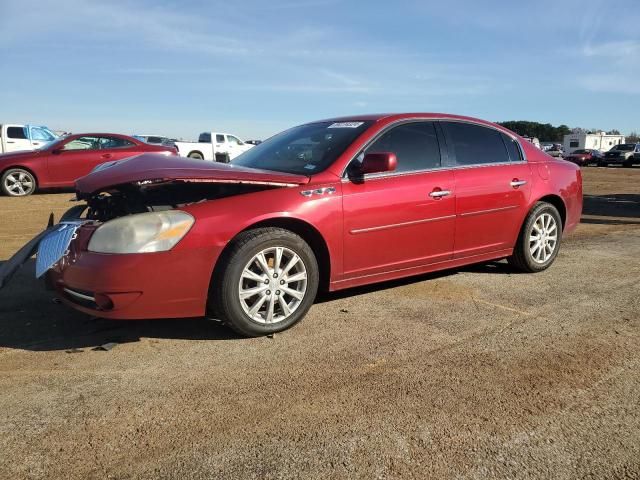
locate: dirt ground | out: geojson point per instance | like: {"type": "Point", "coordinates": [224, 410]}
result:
{"type": "Point", "coordinates": [475, 373]}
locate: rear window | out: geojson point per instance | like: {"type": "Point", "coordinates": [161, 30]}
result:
{"type": "Point", "coordinates": [16, 132]}
{"type": "Point", "coordinates": [204, 138]}
{"type": "Point", "coordinates": [475, 145]}
{"type": "Point", "coordinates": [513, 148]}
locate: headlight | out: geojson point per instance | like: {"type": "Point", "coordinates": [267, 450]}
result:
{"type": "Point", "coordinates": [141, 233]}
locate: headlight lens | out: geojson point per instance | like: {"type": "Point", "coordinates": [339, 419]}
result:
{"type": "Point", "coordinates": [141, 233]}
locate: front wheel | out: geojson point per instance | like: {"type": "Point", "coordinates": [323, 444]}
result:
{"type": "Point", "coordinates": [265, 283]}
{"type": "Point", "coordinates": [539, 239]}
{"type": "Point", "coordinates": [17, 182]}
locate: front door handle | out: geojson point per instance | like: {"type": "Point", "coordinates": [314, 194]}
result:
{"type": "Point", "coordinates": [515, 183]}
{"type": "Point", "coordinates": [106, 155]}
{"type": "Point", "coordinates": [439, 193]}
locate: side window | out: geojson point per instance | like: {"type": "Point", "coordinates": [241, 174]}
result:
{"type": "Point", "coordinates": [234, 140]}
{"type": "Point", "coordinates": [219, 138]}
{"type": "Point", "coordinates": [475, 145]}
{"type": "Point", "coordinates": [204, 138]}
{"type": "Point", "coordinates": [515, 154]}
{"type": "Point", "coordinates": [16, 132]}
{"type": "Point", "coordinates": [83, 143]}
{"type": "Point", "coordinates": [114, 142]}
{"type": "Point", "coordinates": [415, 145]}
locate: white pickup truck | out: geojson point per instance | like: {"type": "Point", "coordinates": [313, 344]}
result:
{"type": "Point", "coordinates": [14, 138]}
{"type": "Point", "coordinates": [216, 146]}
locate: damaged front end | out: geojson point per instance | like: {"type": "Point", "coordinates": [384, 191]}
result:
{"type": "Point", "coordinates": [140, 185]}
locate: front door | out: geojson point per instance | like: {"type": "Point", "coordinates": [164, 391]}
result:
{"type": "Point", "coordinates": [80, 155]}
{"type": "Point", "coordinates": [402, 219]}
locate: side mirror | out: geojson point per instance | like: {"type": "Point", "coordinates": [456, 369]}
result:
{"type": "Point", "coordinates": [56, 151]}
{"type": "Point", "coordinates": [378, 163]}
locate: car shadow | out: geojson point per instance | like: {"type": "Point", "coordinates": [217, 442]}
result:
{"type": "Point", "coordinates": [32, 319]}
{"type": "Point", "coordinates": [499, 267]}
{"type": "Point", "coordinates": [624, 206]}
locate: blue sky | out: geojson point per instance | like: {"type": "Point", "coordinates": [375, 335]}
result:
{"type": "Point", "coordinates": [256, 67]}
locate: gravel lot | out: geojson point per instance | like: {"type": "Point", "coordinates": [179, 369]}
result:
{"type": "Point", "coordinates": [474, 373]}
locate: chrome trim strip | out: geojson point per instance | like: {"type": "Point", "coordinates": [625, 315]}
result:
{"type": "Point", "coordinates": [356, 231]}
{"type": "Point", "coordinates": [79, 295]}
{"type": "Point", "coordinates": [375, 176]}
{"type": "Point", "coordinates": [491, 210]}
{"type": "Point", "coordinates": [435, 119]}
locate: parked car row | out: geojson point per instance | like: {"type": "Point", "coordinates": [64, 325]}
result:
{"type": "Point", "coordinates": [61, 162]}
{"type": "Point", "coordinates": [625, 154]}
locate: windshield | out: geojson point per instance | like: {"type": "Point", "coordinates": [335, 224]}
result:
{"type": "Point", "coordinates": [305, 150]}
{"type": "Point", "coordinates": [625, 147]}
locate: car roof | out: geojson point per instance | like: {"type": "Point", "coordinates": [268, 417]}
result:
{"type": "Point", "coordinates": [100, 134]}
{"type": "Point", "coordinates": [400, 116]}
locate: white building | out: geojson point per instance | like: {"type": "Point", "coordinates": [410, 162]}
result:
{"type": "Point", "coordinates": [592, 141]}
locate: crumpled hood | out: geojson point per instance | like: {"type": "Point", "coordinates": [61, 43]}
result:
{"type": "Point", "coordinates": [155, 167]}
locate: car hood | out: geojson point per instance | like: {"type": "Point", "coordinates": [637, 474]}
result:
{"type": "Point", "coordinates": [156, 167]}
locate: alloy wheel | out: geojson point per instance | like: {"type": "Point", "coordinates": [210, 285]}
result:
{"type": "Point", "coordinates": [272, 285]}
{"type": "Point", "coordinates": [19, 183]}
{"type": "Point", "coordinates": [543, 238]}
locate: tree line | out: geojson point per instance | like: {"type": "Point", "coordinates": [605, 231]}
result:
{"type": "Point", "coordinates": [548, 133]}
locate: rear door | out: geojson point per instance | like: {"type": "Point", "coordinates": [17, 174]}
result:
{"type": "Point", "coordinates": [402, 219]}
{"type": "Point", "coordinates": [492, 184]}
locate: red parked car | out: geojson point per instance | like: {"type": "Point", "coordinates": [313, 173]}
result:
{"type": "Point", "coordinates": [327, 205]}
{"type": "Point", "coordinates": [60, 163]}
{"type": "Point", "coordinates": [584, 157]}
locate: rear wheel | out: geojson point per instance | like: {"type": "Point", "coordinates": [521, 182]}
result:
{"type": "Point", "coordinates": [539, 239]}
{"type": "Point", "coordinates": [196, 155]}
{"type": "Point", "coordinates": [17, 182]}
{"type": "Point", "coordinates": [266, 282]}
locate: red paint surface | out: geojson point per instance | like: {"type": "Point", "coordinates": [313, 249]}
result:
{"type": "Point", "coordinates": [374, 230]}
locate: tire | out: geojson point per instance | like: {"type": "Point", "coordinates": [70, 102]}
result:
{"type": "Point", "coordinates": [196, 155]}
{"type": "Point", "coordinates": [526, 257]}
{"type": "Point", "coordinates": [628, 164]}
{"type": "Point", "coordinates": [18, 182]}
{"type": "Point", "coordinates": [601, 164]}
{"type": "Point", "coordinates": [238, 270]}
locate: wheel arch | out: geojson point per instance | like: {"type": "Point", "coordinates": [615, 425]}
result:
{"type": "Point", "coordinates": [195, 151]}
{"type": "Point", "coordinates": [306, 231]}
{"type": "Point", "coordinates": [556, 201]}
{"type": "Point", "coordinates": [22, 167]}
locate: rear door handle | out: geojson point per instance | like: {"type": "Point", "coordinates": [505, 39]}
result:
{"type": "Point", "coordinates": [106, 155]}
{"type": "Point", "coordinates": [439, 193]}
{"type": "Point", "coordinates": [515, 183]}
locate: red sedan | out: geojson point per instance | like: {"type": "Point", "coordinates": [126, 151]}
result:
{"type": "Point", "coordinates": [60, 163]}
{"type": "Point", "coordinates": [327, 205]}
{"type": "Point", "coordinates": [584, 157]}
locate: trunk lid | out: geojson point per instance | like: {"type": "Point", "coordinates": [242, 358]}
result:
{"type": "Point", "coordinates": [155, 167]}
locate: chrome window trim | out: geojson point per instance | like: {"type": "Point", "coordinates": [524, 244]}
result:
{"type": "Point", "coordinates": [344, 177]}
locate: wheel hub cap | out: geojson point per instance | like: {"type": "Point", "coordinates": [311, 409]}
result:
{"type": "Point", "coordinates": [272, 285]}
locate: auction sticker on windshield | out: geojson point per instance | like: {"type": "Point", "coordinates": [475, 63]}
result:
{"type": "Point", "coordinates": [345, 125]}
